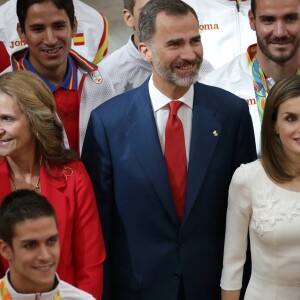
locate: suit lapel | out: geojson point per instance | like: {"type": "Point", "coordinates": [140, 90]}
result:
{"type": "Point", "coordinates": [5, 188]}
{"type": "Point", "coordinates": [53, 189]}
{"type": "Point", "coordinates": [144, 142]}
{"type": "Point", "coordinates": [206, 131]}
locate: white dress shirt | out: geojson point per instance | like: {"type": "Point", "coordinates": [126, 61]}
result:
{"type": "Point", "coordinates": [161, 113]}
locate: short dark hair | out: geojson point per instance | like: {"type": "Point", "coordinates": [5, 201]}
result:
{"type": "Point", "coordinates": [148, 15]}
{"type": "Point", "coordinates": [23, 6]}
{"type": "Point", "coordinates": [273, 156]}
{"type": "Point", "coordinates": [129, 5]}
{"type": "Point", "coordinates": [19, 206]}
{"type": "Point", "coordinates": [253, 7]}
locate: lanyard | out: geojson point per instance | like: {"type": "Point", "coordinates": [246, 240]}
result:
{"type": "Point", "coordinates": [259, 81]}
{"type": "Point", "coordinates": [260, 87]}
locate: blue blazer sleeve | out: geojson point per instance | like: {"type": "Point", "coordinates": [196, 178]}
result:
{"type": "Point", "coordinates": [97, 160]}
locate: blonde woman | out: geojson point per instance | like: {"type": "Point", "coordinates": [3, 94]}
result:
{"type": "Point", "coordinates": [33, 156]}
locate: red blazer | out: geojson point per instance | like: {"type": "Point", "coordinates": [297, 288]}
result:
{"type": "Point", "coordinates": [82, 248]}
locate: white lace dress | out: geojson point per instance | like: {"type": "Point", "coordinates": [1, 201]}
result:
{"type": "Point", "coordinates": [272, 216]}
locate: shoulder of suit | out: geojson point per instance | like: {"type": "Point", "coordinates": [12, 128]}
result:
{"type": "Point", "coordinates": [224, 100]}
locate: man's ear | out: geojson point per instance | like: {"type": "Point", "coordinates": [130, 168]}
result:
{"type": "Point", "coordinates": [21, 33]}
{"type": "Point", "coordinates": [75, 25]}
{"type": "Point", "coordinates": [251, 20]}
{"type": "Point", "coordinates": [128, 18]}
{"type": "Point", "coordinates": [145, 52]}
{"type": "Point", "coordinates": [5, 250]}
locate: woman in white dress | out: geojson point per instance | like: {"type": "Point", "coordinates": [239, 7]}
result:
{"type": "Point", "coordinates": [264, 200]}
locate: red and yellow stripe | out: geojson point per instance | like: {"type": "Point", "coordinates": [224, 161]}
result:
{"type": "Point", "coordinates": [103, 46]}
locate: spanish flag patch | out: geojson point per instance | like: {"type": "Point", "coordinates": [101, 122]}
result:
{"type": "Point", "coordinates": [78, 39]}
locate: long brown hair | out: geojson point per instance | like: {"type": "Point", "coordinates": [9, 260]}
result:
{"type": "Point", "coordinates": [37, 103]}
{"type": "Point", "coordinates": [274, 159]}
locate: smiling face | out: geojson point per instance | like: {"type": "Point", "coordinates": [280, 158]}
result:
{"type": "Point", "coordinates": [48, 33]}
{"type": "Point", "coordinates": [33, 255]}
{"type": "Point", "coordinates": [175, 51]}
{"type": "Point", "coordinates": [277, 26]}
{"type": "Point", "coordinates": [288, 127]}
{"type": "Point", "coordinates": [16, 136]}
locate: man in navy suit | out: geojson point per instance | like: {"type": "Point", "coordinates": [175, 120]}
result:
{"type": "Point", "coordinates": [154, 250]}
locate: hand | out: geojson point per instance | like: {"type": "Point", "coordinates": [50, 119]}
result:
{"type": "Point", "coordinates": [230, 295]}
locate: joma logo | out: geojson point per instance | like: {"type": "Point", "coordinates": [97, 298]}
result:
{"type": "Point", "coordinates": [14, 44]}
{"type": "Point", "coordinates": [209, 26]}
{"type": "Point", "coordinates": [251, 101]}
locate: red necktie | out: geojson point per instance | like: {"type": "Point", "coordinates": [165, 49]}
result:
{"type": "Point", "coordinates": [176, 158]}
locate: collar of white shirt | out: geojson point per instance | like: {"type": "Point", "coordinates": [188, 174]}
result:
{"type": "Point", "coordinates": [159, 100]}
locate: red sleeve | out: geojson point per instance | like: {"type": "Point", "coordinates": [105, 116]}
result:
{"type": "Point", "coordinates": [4, 57]}
{"type": "Point", "coordinates": [89, 249]}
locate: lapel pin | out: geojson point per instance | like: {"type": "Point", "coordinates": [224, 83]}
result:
{"type": "Point", "coordinates": [215, 133]}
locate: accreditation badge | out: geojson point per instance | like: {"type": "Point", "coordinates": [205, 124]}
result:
{"type": "Point", "coordinates": [96, 77]}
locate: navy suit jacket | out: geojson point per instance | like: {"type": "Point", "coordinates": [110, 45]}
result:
{"type": "Point", "coordinates": [148, 250]}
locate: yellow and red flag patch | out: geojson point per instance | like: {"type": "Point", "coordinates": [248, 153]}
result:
{"type": "Point", "coordinates": [78, 39]}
